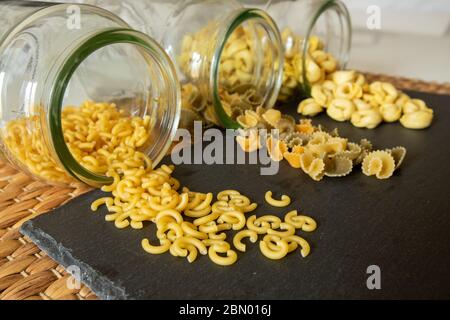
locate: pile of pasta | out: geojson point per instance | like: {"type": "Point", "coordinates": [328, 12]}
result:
{"type": "Point", "coordinates": [98, 135]}
{"type": "Point", "coordinates": [345, 94]}
{"type": "Point", "coordinates": [102, 137]}
{"type": "Point", "coordinates": [191, 223]}
{"type": "Point", "coordinates": [24, 140]}
{"type": "Point", "coordinates": [312, 149]}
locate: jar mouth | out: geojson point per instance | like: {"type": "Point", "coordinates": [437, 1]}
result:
{"type": "Point", "coordinates": [262, 19]}
{"type": "Point", "coordinates": [159, 58]}
{"type": "Point", "coordinates": [337, 7]}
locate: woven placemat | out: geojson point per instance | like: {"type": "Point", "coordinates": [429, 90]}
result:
{"type": "Point", "coordinates": [26, 272]}
{"type": "Point", "coordinates": [411, 84]}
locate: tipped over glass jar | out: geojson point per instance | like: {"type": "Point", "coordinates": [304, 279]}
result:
{"type": "Point", "coordinates": [66, 74]}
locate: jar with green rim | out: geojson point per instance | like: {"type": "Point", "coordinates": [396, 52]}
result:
{"type": "Point", "coordinates": [316, 37]}
{"type": "Point", "coordinates": [55, 58]}
{"type": "Point", "coordinates": [229, 58]}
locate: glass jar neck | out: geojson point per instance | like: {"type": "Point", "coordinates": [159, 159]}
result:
{"type": "Point", "coordinates": [333, 20]}
{"type": "Point", "coordinates": [268, 59]}
{"type": "Point", "coordinates": [303, 22]}
{"type": "Point", "coordinates": [209, 38]}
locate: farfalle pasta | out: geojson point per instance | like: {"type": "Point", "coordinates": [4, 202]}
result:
{"type": "Point", "coordinates": [315, 151]}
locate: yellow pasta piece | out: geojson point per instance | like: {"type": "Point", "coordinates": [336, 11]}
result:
{"type": "Point", "coordinates": [281, 249]}
{"type": "Point", "coordinates": [300, 222]}
{"type": "Point", "coordinates": [341, 109]}
{"type": "Point", "coordinates": [105, 200]}
{"type": "Point", "coordinates": [164, 247]}
{"type": "Point", "coordinates": [305, 248]}
{"type": "Point", "coordinates": [197, 213]}
{"type": "Point", "coordinates": [226, 194]}
{"type": "Point", "coordinates": [276, 148]}
{"type": "Point", "coordinates": [235, 218]}
{"type": "Point", "coordinates": [379, 163]}
{"type": "Point", "coordinates": [252, 226]}
{"type": "Point", "coordinates": [310, 107]}
{"type": "Point", "coordinates": [272, 117]}
{"type": "Point", "coordinates": [170, 213]}
{"type": "Point", "coordinates": [214, 228]}
{"type": "Point", "coordinates": [237, 240]}
{"type": "Point", "coordinates": [229, 259]}
{"type": "Point", "coordinates": [420, 119]}
{"type": "Point", "coordinates": [183, 241]}
{"type": "Point", "coordinates": [191, 230]}
{"type": "Point", "coordinates": [284, 202]}
{"type": "Point", "coordinates": [273, 221]}
{"type": "Point", "coordinates": [290, 230]}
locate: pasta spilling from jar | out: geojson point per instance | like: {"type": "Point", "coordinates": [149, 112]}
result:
{"type": "Point", "coordinates": [98, 135]}
{"type": "Point", "coordinates": [105, 140]}
{"type": "Point", "coordinates": [236, 75]}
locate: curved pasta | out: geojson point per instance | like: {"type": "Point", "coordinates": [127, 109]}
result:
{"type": "Point", "coordinates": [237, 240]}
{"type": "Point", "coordinates": [191, 230]}
{"type": "Point", "coordinates": [300, 221]}
{"type": "Point", "coordinates": [378, 163]}
{"type": "Point", "coordinates": [235, 218]}
{"type": "Point", "coordinates": [183, 241]}
{"type": "Point", "coordinates": [229, 259]}
{"type": "Point", "coordinates": [305, 248]}
{"type": "Point", "coordinates": [284, 202]}
{"type": "Point", "coordinates": [164, 247]}
{"type": "Point", "coordinates": [273, 221]}
{"type": "Point", "coordinates": [279, 252]}
{"type": "Point", "coordinates": [289, 230]}
{"type": "Point", "coordinates": [170, 213]}
{"type": "Point", "coordinates": [108, 201]}
{"type": "Point", "coordinates": [252, 226]}
{"type": "Point", "coordinates": [314, 167]}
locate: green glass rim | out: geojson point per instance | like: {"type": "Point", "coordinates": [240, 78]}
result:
{"type": "Point", "coordinates": [242, 16]}
{"type": "Point", "coordinates": [94, 43]}
{"type": "Point", "coordinates": [328, 4]}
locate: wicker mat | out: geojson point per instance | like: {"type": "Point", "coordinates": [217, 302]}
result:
{"type": "Point", "coordinates": [26, 272]}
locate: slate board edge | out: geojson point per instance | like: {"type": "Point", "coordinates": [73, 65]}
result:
{"type": "Point", "coordinates": [100, 285]}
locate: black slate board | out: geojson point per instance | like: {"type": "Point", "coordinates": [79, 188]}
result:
{"type": "Point", "coordinates": [402, 225]}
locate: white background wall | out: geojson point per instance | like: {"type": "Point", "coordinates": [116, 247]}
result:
{"type": "Point", "coordinates": [414, 40]}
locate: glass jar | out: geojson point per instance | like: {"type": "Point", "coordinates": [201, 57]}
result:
{"type": "Point", "coordinates": [54, 56]}
{"type": "Point", "coordinates": [202, 37]}
{"type": "Point", "coordinates": [299, 20]}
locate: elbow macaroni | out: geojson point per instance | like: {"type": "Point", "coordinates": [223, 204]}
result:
{"type": "Point", "coordinates": [285, 200]}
